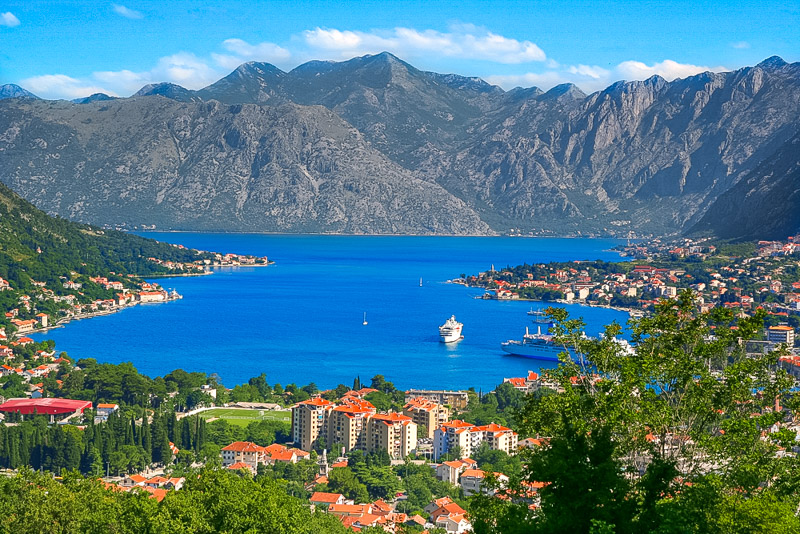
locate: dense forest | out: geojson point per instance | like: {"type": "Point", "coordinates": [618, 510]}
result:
{"type": "Point", "coordinates": [34, 245]}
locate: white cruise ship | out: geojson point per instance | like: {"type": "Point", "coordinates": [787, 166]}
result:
{"type": "Point", "coordinates": [537, 346]}
{"type": "Point", "coordinates": [450, 331]}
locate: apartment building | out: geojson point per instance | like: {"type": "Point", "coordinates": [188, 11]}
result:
{"type": "Point", "coordinates": [310, 422]}
{"type": "Point", "coordinates": [347, 424]}
{"type": "Point", "coordinates": [456, 400]}
{"type": "Point", "coordinates": [426, 413]}
{"type": "Point", "coordinates": [392, 432]}
{"type": "Point", "coordinates": [781, 334]}
{"type": "Point", "coordinates": [352, 425]}
{"type": "Point", "coordinates": [468, 437]}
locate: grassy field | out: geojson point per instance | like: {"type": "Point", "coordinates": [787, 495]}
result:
{"type": "Point", "coordinates": [245, 417]}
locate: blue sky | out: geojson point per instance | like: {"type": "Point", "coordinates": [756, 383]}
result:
{"type": "Point", "coordinates": [74, 48]}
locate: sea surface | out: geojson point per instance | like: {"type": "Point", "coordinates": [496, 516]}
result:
{"type": "Point", "coordinates": [300, 320]}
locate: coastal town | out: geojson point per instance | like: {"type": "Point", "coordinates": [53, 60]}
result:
{"type": "Point", "coordinates": [426, 434]}
{"type": "Point", "coordinates": [39, 305]}
{"type": "Point", "coordinates": [371, 457]}
{"type": "Point", "coordinates": [349, 451]}
{"type": "Point", "coordinates": [744, 278]}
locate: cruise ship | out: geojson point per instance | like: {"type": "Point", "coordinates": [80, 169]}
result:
{"type": "Point", "coordinates": [537, 346]}
{"type": "Point", "coordinates": [541, 346]}
{"type": "Point", "coordinates": [450, 331]}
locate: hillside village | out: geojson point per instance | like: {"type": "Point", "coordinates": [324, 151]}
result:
{"type": "Point", "coordinates": [744, 278]}
{"type": "Point", "coordinates": [39, 305]}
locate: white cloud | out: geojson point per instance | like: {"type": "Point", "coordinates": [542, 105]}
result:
{"type": "Point", "coordinates": [61, 86]}
{"type": "Point", "coordinates": [126, 82]}
{"type": "Point", "coordinates": [126, 12]}
{"type": "Point", "coordinates": [592, 78]}
{"type": "Point", "coordinates": [589, 71]}
{"type": "Point", "coordinates": [462, 41]}
{"type": "Point", "coordinates": [183, 68]}
{"type": "Point", "coordinates": [740, 45]}
{"type": "Point", "coordinates": [242, 51]}
{"type": "Point", "coordinates": [8, 19]}
{"type": "Point", "coordinates": [668, 69]}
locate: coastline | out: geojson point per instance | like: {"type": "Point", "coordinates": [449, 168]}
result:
{"type": "Point", "coordinates": [630, 311]}
{"type": "Point", "coordinates": [62, 322]}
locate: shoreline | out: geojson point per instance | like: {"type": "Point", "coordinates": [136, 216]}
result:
{"type": "Point", "coordinates": [289, 234]}
{"type": "Point", "coordinates": [61, 323]}
{"type": "Point", "coordinates": [629, 311]}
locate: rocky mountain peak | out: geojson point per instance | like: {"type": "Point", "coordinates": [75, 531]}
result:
{"type": "Point", "coordinates": [11, 90]}
{"type": "Point", "coordinates": [96, 97]}
{"type": "Point", "coordinates": [168, 90]}
{"type": "Point", "coordinates": [773, 62]}
{"type": "Point", "coordinates": [565, 91]}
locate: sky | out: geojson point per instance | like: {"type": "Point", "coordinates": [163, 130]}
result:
{"type": "Point", "coordinates": [71, 49]}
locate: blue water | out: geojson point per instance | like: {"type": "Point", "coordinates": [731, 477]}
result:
{"type": "Point", "coordinates": [300, 319]}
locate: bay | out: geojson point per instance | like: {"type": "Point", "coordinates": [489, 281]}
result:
{"type": "Point", "coordinates": [300, 320]}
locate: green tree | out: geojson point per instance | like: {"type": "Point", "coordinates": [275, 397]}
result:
{"type": "Point", "coordinates": [621, 428]}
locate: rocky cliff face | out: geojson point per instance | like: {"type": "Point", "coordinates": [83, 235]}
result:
{"type": "Point", "coordinates": [209, 166]}
{"type": "Point", "coordinates": [765, 204]}
{"type": "Point", "coordinates": [375, 145]}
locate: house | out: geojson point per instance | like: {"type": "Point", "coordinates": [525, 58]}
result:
{"type": "Point", "coordinates": [104, 409]}
{"type": "Point", "coordinates": [450, 472]}
{"type": "Point", "coordinates": [24, 326]}
{"type": "Point", "coordinates": [320, 498]}
{"type": "Point", "coordinates": [151, 296]}
{"type": "Point", "coordinates": [133, 480]}
{"type": "Point", "coordinates": [473, 481]}
{"type": "Point", "coordinates": [42, 319]}
{"type": "Point", "coordinates": [243, 452]}
{"type": "Point", "coordinates": [527, 384]}
{"type": "Point", "coordinates": [278, 453]}
{"type": "Point", "coordinates": [444, 513]}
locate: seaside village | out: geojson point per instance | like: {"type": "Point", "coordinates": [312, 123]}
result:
{"type": "Point", "coordinates": [768, 280]}
{"type": "Point", "coordinates": [78, 296]}
{"type": "Point", "coordinates": [428, 430]}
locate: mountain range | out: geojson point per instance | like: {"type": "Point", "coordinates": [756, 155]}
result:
{"type": "Point", "coordinates": [374, 145]}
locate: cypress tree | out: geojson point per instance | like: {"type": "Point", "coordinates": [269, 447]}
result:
{"type": "Point", "coordinates": [186, 434]}
{"type": "Point", "coordinates": [147, 440]}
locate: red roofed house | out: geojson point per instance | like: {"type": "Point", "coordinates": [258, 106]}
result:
{"type": "Point", "coordinates": [326, 499]}
{"type": "Point", "coordinates": [278, 453]}
{"type": "Point", "coordinates": [244, 452]}
{"type": "Point", "coordinates": [444, 513]}
{"type": "Point", "coordinates": [468, 437]}
{"type": "Point", "coordinates": [451, 471]}
{"type": "Point", "coordinates": [526, 384]}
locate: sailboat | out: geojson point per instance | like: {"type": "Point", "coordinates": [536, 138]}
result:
{"type": "Point", "coordinates": [365, 319]}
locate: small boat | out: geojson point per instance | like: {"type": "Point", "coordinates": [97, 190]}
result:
{"type": "Point", "coordinates": [365, 319]}
{"type": "Point", "coordinates": [420, 281]}
{"type": "Point", "coordinates": [450, 331]}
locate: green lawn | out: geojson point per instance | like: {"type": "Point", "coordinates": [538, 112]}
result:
{"type": "Point", "coordinates": [245, 417]}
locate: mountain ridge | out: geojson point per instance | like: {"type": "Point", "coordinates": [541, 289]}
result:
{"type": "Point", "coordinates": [637, 157]}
